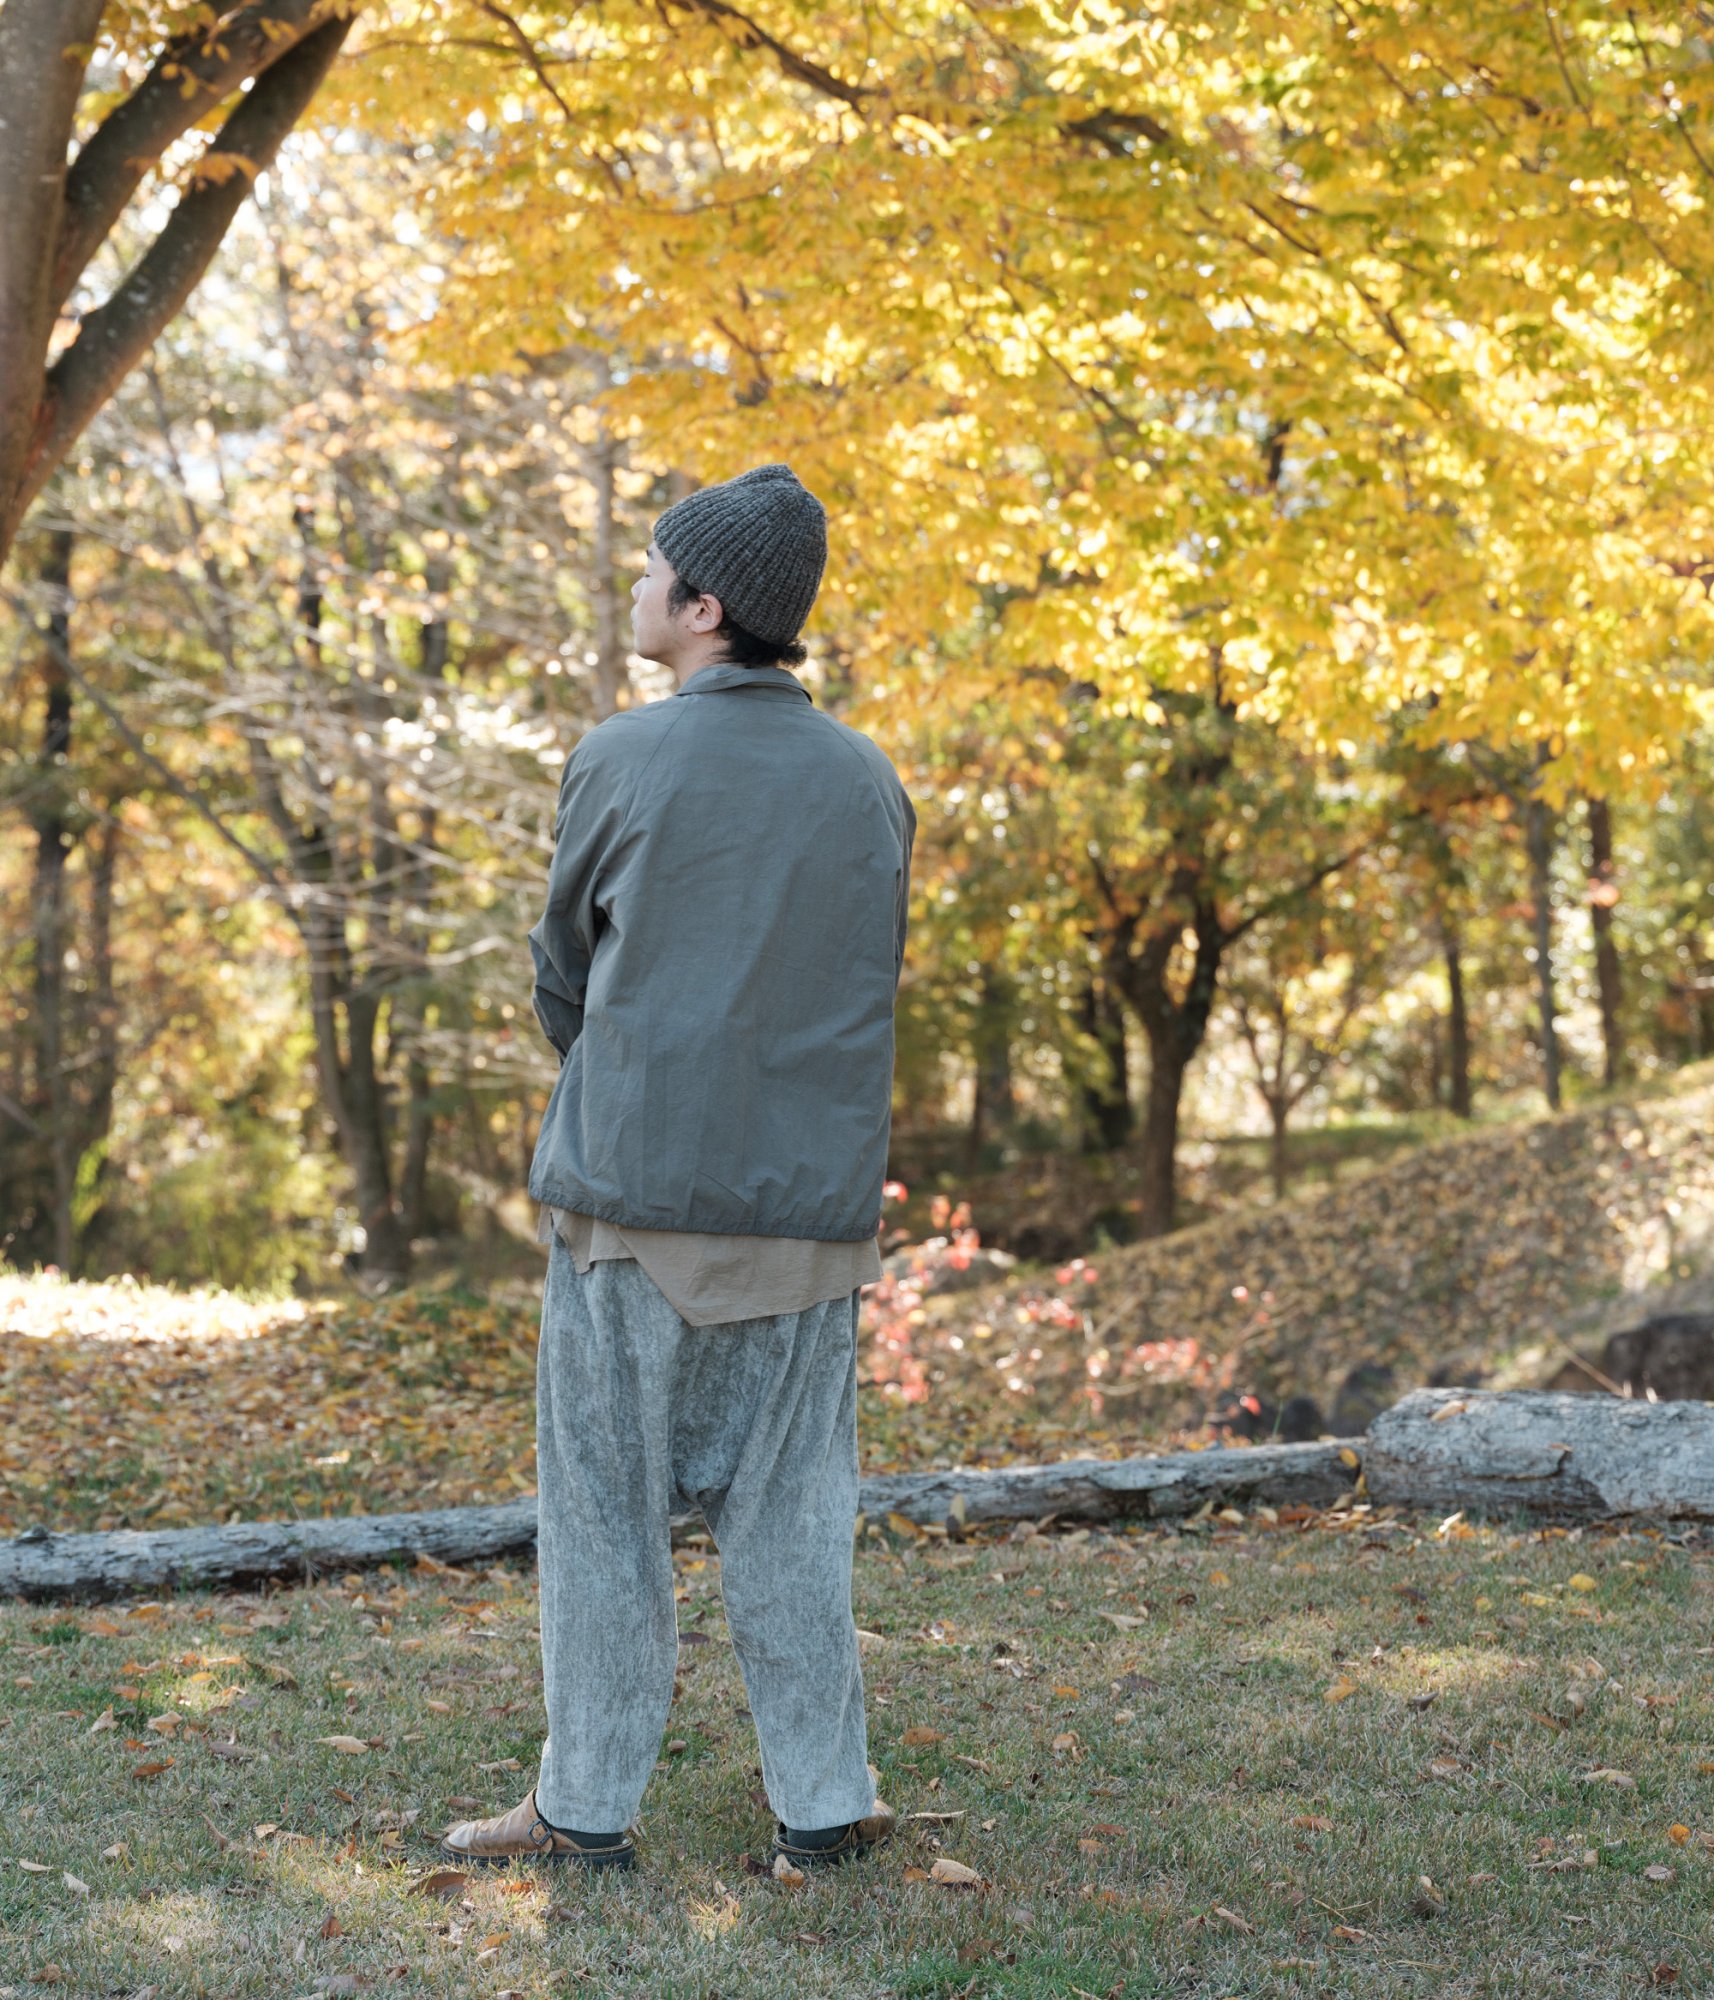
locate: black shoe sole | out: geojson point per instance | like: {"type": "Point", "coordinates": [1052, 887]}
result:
{"type": "Point", "coordinates": [623, 1857]}
{"type": "Point", "coordinates": [823, 1857]}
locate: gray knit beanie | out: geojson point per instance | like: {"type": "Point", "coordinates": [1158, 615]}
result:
{"type": "Point", "coordinates": [757, 542]}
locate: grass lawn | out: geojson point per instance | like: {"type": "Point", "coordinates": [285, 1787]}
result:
{"type": "Point", "coordinates": [1211, 1763]}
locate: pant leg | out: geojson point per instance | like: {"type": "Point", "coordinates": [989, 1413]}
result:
{"type": "Point", "coordinates": [765, 1441]}
{"type": "Point", "coordinates": [604, 1391]}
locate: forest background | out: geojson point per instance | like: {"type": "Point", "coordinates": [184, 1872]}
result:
{"type": "Point", "coordinates": [1268, 461]}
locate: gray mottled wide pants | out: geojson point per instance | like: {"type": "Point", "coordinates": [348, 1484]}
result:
{"type": "Point", "coordinates": [754, 1423]}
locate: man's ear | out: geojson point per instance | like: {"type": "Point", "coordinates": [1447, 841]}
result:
{"type": "Point", "coordinates": [701, 621]}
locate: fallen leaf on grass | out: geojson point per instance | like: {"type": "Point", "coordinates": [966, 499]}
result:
{"type": "Point", "coordinates": [1232, 1917]}
{"type": "Point", "coordinates": [1608, 1775]}
{"type": "Point", "coordinates": [74, 1883]}
{"type": "Point", "coordinates": [438, 1707]}
{"type": "Point", "coordinates": [1122, 1620]}
{"type": "Point", "coordinates": [35, 1867]}
{"type": "Point", "coordinates": [502, 1764]}
{"type": "Point", "coordinates": [784, 1871]}
{"type": "Point", "coordinates": [1678, 1834]}
{"type": "Point", "coordinates": [352, 1746]}
{"type": "Point", "coordinates": [154, 1769]}
{"type": "Point", "coordinates": [711, 1920]}
{"type": "Point", "coordinates": [1444, 1767]}
{"type": "Point", "coordinates": [1658, 1871]}
{"type": "Point", "coordinates": [117, 1852]}
{"type": "Point", "coordinates": [1313, 1823]}
{"type": "Point", "coordinates": [1427, 1901]}
{"type": "Point", "coordinates": [921, 1733]}
{"type": "Point", "coordinates": [441, 1882]}
{"type": "Point", "coordinates": [1581, 1581]}
{"type": "Point", "coordinates": [1341, 1690]}
{"type": "Point", "coordinates": [954, 1875]}
{"type": "Point", "coordinates": [103, 1721]}
{"type": "Point", "coordinates": [937, 1817]}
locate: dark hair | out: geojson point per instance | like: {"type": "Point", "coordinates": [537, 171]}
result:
{"type": "Point", "coordinates": [743, 649]}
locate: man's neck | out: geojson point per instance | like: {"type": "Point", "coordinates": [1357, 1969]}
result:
{"type": "Point", "coordinates": [711, 655]}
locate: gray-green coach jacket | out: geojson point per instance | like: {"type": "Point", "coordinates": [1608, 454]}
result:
{"type": "Point", "coordinates": [717, 965]}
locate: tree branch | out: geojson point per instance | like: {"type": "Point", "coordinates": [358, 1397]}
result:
{"type": "Point", "coordinates": [192, 75]}
{"type": "Point", "coordinates": [264, 871]}
{"type": "Point", "coordinates": [1274, 904]}
{"type": "Point", "coordinates": [43, 56]}
{"type": "Point", "coordinates": [1111, 129]}
{"type": "Point", "coordinates": [116, 336]}
{"type": "Point", "coordinates": [751, 35]}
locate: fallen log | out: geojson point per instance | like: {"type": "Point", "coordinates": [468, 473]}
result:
{"type": "Point", "coordinates": [48, 1568]}
{"type": "Point", "coordinates": [1531, 1451]}
{"type": "Point", "coordinates": [143, 1562]}
{"type": "Point", "coordinates": [1543, 1452]}
{"type": "Point", "coordinates": [1096, 1489]}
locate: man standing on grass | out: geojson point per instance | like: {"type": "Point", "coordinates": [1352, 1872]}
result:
{"type": "Point", "coordinates": [716, 967]}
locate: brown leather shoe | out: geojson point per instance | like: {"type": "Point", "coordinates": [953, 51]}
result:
{"type": "Point", "coordinates": [523, 1835]}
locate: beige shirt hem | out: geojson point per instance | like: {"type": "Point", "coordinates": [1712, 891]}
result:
{"type": "Point", "coordinates": [711, 1279]}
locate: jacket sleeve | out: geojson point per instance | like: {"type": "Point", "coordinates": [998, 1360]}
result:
{"type": "Point", "coordinates": [562, 943]}
{"type": "Point", "coordinates": [902, 915]}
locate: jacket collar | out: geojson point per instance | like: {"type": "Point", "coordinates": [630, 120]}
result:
{"type": "Point", "coordinates": [722, 675]}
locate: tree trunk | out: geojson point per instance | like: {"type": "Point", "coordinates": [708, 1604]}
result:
{"type": "Point", "coordinates": [419, 1128]}
{"type": "Point", "coordinates": [1603, 895]}
{"type": "Point", "coordinates": [1457, 1024]}
{"type": "Point", "coordinates": [1538, 832]}
{"type": "Point", "coordinates": [1157, 1212]}
{"type": "Point", "coordinates": [1108, 1117]}
{"type": "Point", "coordinates": [1279, 1118]}
{"type": "Point", "coordinates": [386, 1252]}
{"type": "Point", "coordinates": [1175, 1028]}
{"type": "Point", "coordinates": [52, 1098]}
{"type": "Point", "coordinates": [98, 1025]}
{"type": "Point", "coordinates": [610, 676]}
{"type": "Point", "coordinates": [992, 1108]}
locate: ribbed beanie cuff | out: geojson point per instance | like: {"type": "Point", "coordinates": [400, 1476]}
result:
{"type": "Point", "coordinates": [757, 542]}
